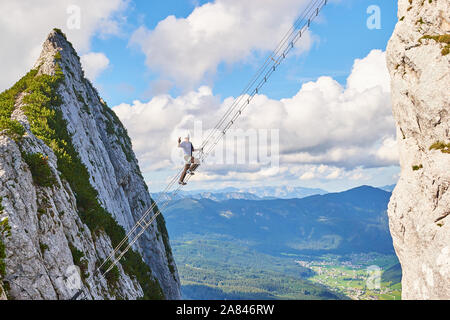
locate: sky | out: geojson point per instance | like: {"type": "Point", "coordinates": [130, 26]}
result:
{"type": "Point", "coordinates": [168, 67]}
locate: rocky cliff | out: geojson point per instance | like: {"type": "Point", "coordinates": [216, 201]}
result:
{"type": "Point", "coordinates": [70, 187]}
{"type": "Point", "coordinates": [419, 210]}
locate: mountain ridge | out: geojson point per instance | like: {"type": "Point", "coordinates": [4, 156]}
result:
{"type": "Point", "coordinates": [252, 193]}
{"type": "Point", "coordinates": [353, 220]}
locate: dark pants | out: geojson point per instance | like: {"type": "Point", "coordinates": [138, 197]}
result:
{"type": "Point", "coordinates": [188, 166]}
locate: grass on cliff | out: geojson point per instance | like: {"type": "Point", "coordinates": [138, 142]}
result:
{"type": "Point", "coordinates": [47, 123]}
{"type": "Point", "coordinates": [79, 261]}
{"type": "Point", "coordinates": [5, 231]}
{"type": "Point", "coordinates": [13, 128]}
{"type": "Point", "coordinates": [439, 145]}
{"type": "Point", "coordinates": [40, 170]}
{"type": "Point", "coordinates": [443, 38]}
{"type": "Point", "coordinates": [2, 259]}
{"type": "Point", "coordinates": [161, 225]}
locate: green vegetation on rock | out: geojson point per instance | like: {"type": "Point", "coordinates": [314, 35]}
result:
{"type": "Point", "coordinates": [8, 98]}
{"type": "Point", "coordinates": [2, 259]}
{"type": "Point", "coordinates": [5, 231]}
{"type": "Point", "coordinates": [79, 261]}
{"type": "Point", "coordinates": [40, 104]}
{"type": "Point", "coordinates": [165, 237]}
{"type": "Point", "coordinates": [112, 277]}
{"type": "Point", "coordinates": [43, 247]}
{"type": "Point", "coordinates": [40, 170]}
{"type": "Point", "coordinates": [439, 145]}
{"type": "Point", "coordinates": [443, 38]}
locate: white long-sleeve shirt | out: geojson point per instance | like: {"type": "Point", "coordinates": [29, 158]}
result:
{"type": "Point", "coordinates": [187, 147]}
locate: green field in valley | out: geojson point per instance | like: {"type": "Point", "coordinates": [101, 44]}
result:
{"type": "Point", "coordinates": [213, 269]}
{"type": "Point", "coordinates": [360, 277]}
{"type": "Point", "coordinates": [223, 268]}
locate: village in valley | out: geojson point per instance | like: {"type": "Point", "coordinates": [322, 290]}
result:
{"type": "Point", "coordinates": [358, 276]}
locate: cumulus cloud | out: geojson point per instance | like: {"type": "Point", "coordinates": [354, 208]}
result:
{"type": "Point", "coordinates": [308, 175]}
{"type": "Point", "coordinates": [334, 174]}
{"type": "Point", "coordinates": [93, 64]}
{"type": "Point", "coordinates": [326, 130]}
{"type": "Point", "coordinates": [224, 31]}
{"type": "Point", "coordinates": [154, 126]}
{"type": "Point", "coordinates": [26, 23]}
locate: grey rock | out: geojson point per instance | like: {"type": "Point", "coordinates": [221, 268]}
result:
{"type": "Point", "coordinates": [38, 252]}
{"type": "Point", "coordinates": [419, 210]}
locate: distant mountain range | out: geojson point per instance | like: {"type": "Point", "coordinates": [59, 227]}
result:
{"type": "Point", "coordinates": [254, 193]}
{"type": "Point", "coordinates": [350, 221]}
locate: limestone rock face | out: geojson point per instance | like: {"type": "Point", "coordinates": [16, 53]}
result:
{"type": "Point", "coordinates": [45, 221]}
{"type": "Point", "coordinates": [419, 210]}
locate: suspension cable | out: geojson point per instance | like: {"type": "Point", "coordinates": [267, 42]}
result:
{"type": "Point", "coordinates": [276, 58]}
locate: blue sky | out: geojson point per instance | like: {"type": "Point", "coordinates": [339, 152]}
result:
{"type": "Point", "coordinates": [343, 38]}
{"type": "Point", "coordinates": [163, 64]}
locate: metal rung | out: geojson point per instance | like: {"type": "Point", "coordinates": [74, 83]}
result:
{"type": "Point", "coordinates": [145, 226]}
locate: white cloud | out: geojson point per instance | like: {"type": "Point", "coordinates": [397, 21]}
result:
{"type": "Point", "coordinates": [388, 151]}
{"type": "Point", "coordinates": [307, 176]}
{"type": "Point", "coordinates": [357, 176]}
{"type": "Point", "coordinates": [321, 168]}
{"type": "Point", "coordinates": [325, 123]}
{"type": "Point", "coordinates": [154, 126]}
{"type": "Point", "coordinates": [336, 173]}
{"type": "Point", "coordinates": [370, 72]}
{"type": "Point", "coordinates": [225, 31]}
{"type": "Point", "coordinates": [93, 64]}
{"type": "Point", "coordinates": [327, 131]}
{"type": "Point", "coordinates": [25, 24]}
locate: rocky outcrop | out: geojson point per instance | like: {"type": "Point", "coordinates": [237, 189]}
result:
{"type": "Point", "coordinates": [2, 293]}
{"type": "Point", "coordinates": [51, 227]}
{"type": "Point", "coordinates": [419, 211]}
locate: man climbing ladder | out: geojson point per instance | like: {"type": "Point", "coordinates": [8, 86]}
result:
{"type": "Point", "coordinates": [191, 162]}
